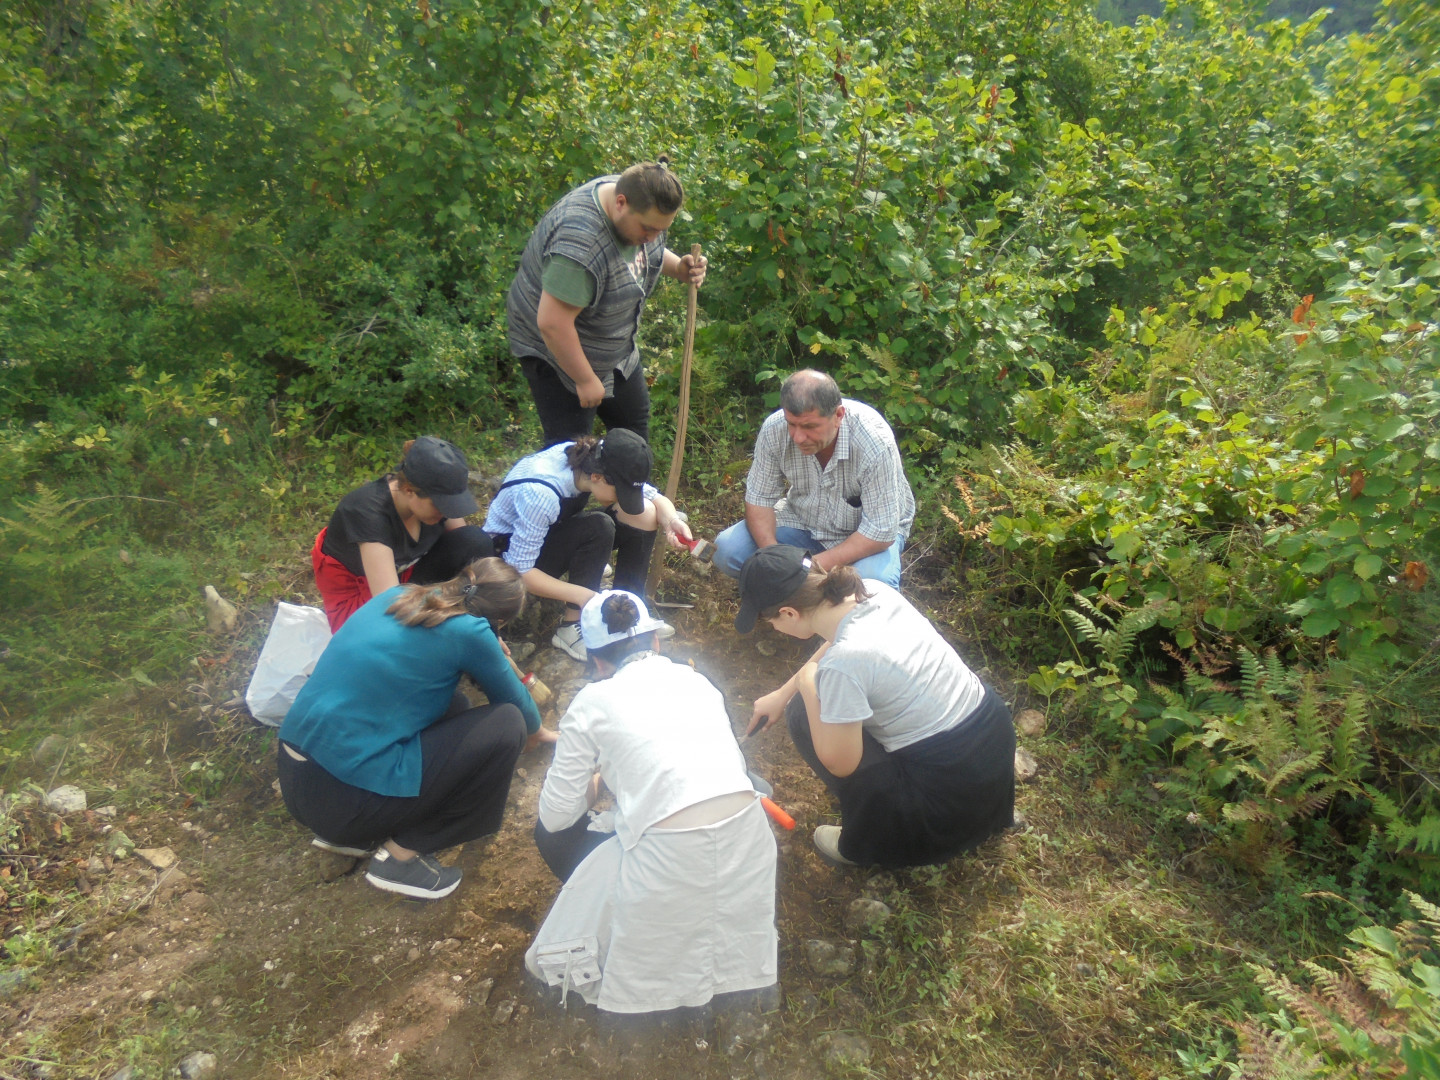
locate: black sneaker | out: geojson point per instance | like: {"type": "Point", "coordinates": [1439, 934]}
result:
{"type": "Point", "coordinates": [421, 877]}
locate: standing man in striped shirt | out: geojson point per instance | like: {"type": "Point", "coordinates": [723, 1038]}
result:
{"type": "Point", "coordinates": [826, 477]}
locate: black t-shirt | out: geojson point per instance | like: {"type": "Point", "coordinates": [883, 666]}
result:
{"type": "Point", "coordinates": [368, 516]}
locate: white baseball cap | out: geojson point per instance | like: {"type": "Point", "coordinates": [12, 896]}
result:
{"type": "Point", "coordinates": [597, 635]}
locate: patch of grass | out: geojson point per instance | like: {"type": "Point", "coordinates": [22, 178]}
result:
{"type": "Point", "coordinates": [1078, 947]}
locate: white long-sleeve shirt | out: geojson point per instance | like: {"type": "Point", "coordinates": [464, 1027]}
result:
{"type": "Point", "coordinates": [659, 735]}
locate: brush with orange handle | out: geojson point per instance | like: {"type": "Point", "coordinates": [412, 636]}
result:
{"type": "Point", "coordinates": [777, 815]}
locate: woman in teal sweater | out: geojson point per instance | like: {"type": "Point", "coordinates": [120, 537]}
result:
{"type": "Point", "coordinates": [379, 752]}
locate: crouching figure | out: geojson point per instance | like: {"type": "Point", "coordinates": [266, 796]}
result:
{"type": "Point", "coordinates": [678, 904]}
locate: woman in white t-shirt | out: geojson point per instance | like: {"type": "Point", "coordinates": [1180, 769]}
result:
{"type": "Point", "coordinates": [920, 753]}
{"type": "Point", "coordinates": [678, 904]}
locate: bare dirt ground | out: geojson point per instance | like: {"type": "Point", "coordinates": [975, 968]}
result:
{"type": "Point", "coordinates": [283, 962]}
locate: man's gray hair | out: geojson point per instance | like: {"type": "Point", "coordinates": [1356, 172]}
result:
{"type": "Point", "coordinates": [810, 391]}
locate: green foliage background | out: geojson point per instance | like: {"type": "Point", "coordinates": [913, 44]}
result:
{"type": "Point", "coordinates": [1158, 294]}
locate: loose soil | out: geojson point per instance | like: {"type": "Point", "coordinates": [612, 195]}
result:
{"type": "Point", "coordinates": [283, 962]}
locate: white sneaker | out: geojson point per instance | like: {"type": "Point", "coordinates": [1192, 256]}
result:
{"type": "Point", "coordinates": [664, 631]}
{"type": "Point", "coordinates": [608, 574]}
{"type": "Point", "coordinates": [567, 640]}
{"type": "Point", "coordinates": [827, 843]}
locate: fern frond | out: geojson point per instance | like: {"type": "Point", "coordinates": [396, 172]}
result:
{"type": "Point", "coordinates": [1249, 810]}
{"type": "Point", "coordinates": [1311, 730]}
{"type": "Point", "coordinates": [1350, 754]}
{"type": "Point", "coordinates": [1087, 630]}
{"type": "Point", "coordinates": [1296, 767]}
{"type": "Point", "coordinates": [1252, 676]}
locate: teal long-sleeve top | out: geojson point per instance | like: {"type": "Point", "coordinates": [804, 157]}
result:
{"type": "Point", "coordinates": [380, 683]}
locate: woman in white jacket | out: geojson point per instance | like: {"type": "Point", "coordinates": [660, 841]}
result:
{"type": "Point", "coordinates": [678, 905]}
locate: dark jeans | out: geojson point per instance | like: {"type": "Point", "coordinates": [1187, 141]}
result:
{"type": "Point", "coordinates": [581, 546]}
{"type": "Point", "coordinates": [454, 551]}
{"type": "Point", "coordinates": [468, 760]}
{"type": "Point", "coordinates": [563, 851]}
{"type": "Point", "coordinates": [562, 418]}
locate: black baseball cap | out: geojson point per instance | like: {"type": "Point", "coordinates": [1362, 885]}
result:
{"type": "Point", "coordinates": [438, 469]}
{"type": "Point", "coordinates": [769, 577]}
{"type": "Point", "coordinates": [624, 459]}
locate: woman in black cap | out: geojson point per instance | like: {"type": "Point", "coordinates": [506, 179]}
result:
{"type": "Point", "coordinates": [407, 526]}
{"type": "Point", "coordinates": [920, 752]}
{"type": "Point", "coordinates": [539, 524]}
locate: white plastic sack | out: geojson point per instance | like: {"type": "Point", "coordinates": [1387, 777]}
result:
{"type": "Point", "coordinates": [297, 638]}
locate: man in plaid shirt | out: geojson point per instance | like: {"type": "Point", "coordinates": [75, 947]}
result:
{"type": "Point", "coordinates": [827, 478]}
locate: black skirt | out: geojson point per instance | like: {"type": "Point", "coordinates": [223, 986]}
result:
{"type": "Point", "coordinates": [929, 801]}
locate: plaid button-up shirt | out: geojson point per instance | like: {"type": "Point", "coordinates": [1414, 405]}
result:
{"type": "Point", "coordinates": [861, 489]}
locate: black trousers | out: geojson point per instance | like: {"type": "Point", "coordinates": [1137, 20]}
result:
{"type": "Point", "coordinates": [454, 551]}
{"type": "Point", "coordinates": [562, 418]}
{"type": "Point", "coordinates": [563, 851]}
{"type": "Point", "coordinates": [926, 802]}
{"type": "Point", "coordinates": [468, 760]}
{"type": "Point", "coordinates": [580, 546]}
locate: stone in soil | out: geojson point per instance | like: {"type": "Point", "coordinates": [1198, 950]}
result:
{"type": "Point", "coordinates": [161, 858]}
{"type": "Point", "coordinates": [330, 865]}
{"type": "Point", "coordinates": [1026, 766]}
{"type": "Point", "coordinates": [65, 799]}
{"type": "Point", "coordinates": [828, 958]}
{"type": "Point", "coordinates": [1030, 723]}
{"type": "Point", "coordinates": [198, 1066]}
{"type": "Point", "coordinates": [865, 916]}
{"type": "Point", "coordinates": [842, 1053]}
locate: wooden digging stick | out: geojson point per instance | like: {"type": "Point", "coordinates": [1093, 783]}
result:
{"type": "Point", "coordinates": [673, 480]}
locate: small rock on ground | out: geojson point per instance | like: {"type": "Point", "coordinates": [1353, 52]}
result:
{"type": "Point", "coordinates": [842, 1053]}
{"type": "Point", "coordinates": [199, 1066]}
{"type": "Point", "coordinates": [13, 981]}
{"type": "Point", "coordinates": [330, 865]}
{"type": "Point", "coordinates": [161, 858]}
{"type": "Point", "coordinates": [865, 916]}
{"type": "Point", "coordinates": [1030, 723]}
{"type": "Point", "coordinates": [827, 958]}
{"type": "Point", "coordinates": [65, 799]}
{"type": "Point", "coordinates": [1025, 766]}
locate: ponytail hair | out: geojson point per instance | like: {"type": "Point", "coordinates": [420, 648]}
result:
{"type": "Point", "coordinates": [651, 185]}
{"type": "Point", "coordinates": [581, 454]}
{"type": "Point", "coordinates": [487, 588]}
{"type": "Point", "coordinates": [833, 586]}
{"type": "Point", "coordinates": [619, 614]}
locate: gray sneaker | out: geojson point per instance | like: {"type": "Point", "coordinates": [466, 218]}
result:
{"type": "Point", "coordinates": [421, 877]}
{"type": "Point", "coordinates": [567, 640]}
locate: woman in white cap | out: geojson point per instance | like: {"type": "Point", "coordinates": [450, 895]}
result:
{"type": "Point", "coordinates": [539, 522]}
{"type": "Point", "coordinates": [920, 752]}
{"type": "Point", "coordinates": [678, 905]}
{"type": "Point", "coordinates": [407, 526]}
